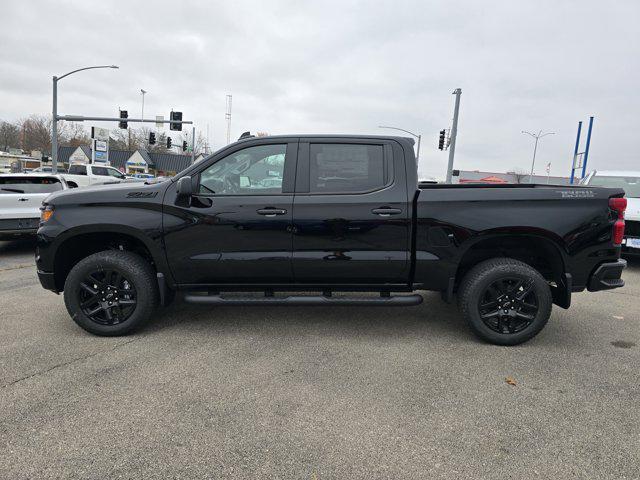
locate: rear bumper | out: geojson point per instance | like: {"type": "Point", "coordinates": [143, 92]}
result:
{"type": "Point", "coordinates": [18, 233]}
{"type": "Point", "coordinates": [15, 227]}
{"type": "Point", "coordinates": [48, 281]}
{"type": "Point", "coordinates": [607, 276]}
{"type": "Point", "coordinates": [628, 250]}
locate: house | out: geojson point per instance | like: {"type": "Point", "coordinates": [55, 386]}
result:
{"type": "Point", "coordinates": [131, 162]}
{"type": "Point", "coordinates": [159, 164]}
{"type": "Point", "coordinates": [17, 162]}
{"type": "Point", "coordinates": [68, 155]}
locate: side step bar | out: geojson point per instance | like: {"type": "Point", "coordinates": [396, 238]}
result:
{"type": "Point", "coordinates": [401, 300]}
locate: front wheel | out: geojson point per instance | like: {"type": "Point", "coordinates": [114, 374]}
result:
{"type": "Point", "coordinates": [505, 301]}
{"type": "Point", "coordinates": [111, 293]}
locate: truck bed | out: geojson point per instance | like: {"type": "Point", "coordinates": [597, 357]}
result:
{"type": "Point", "coordinates": [567, 227]}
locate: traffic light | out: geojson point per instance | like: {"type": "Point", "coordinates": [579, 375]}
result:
{"type": "Point", "coordinates": [443, 133]}
{"type": "Point", "coordinates": [168, 142]}
{"type": "Point", "coordinates": [152, 138]}
{"type": "Point", "coordinates": [184, 146]}
{"type": "Point", "coordinates": [175, 117]}
{"type": "Point", "coordinates": [123, 114]}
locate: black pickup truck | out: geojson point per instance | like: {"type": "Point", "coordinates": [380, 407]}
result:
{"type": "Point", "coordinates": [324, 215]}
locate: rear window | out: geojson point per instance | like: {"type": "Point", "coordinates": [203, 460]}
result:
{"type": "Point", "coordinates": [630, 185]}
{"type": "Point", "coordinates": [29, 185]}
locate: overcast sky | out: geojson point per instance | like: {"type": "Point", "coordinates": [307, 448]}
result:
{"type": "Point", "coordinates": [345, 67]}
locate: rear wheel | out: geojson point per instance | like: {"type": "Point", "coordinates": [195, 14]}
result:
{"type": "Point", "coordinates": [111, 293]}
{"type": "Point", "coordinates": [505, 301]}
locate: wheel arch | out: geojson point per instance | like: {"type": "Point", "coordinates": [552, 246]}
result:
{"type": "Point", "coordinates": [78, 243]}
{"type": "Point", "coordinates": [537, 251]}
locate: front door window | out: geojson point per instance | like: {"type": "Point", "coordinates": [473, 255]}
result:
{"type": "Point", "coordinates": [255, 170]}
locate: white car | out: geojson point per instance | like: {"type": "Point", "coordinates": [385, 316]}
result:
{"type": "Point", "coordinates": [629, 180]}
{"type": "Point", "coordinates": [21, 195]}
{"type": "Point", "coordinates": [83, 175]}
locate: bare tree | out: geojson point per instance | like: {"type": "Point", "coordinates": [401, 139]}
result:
{"type": "Point", "coordinates": [36, 133]}
{"type": "Point", "coordinates": [519, 175]}
{"type": "Point", "coordinates": [201, 143]}
{"type": "Point", "coordinates": [76, 135]}
{"type": "Point", "coordinates": [129, 139]}
{"type": "Point", "coordinates": [9, 136]}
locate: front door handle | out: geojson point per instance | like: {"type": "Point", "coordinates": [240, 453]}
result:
{"type": "Point", "coordinates": [271, 212]}
{"type": "Point", "coordinates": [386, 211]}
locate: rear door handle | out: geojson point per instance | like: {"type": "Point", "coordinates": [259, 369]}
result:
{"type": "Point", "coordinates": [386, 211]}
{"type": "Point", "coordinates": [271, 212]}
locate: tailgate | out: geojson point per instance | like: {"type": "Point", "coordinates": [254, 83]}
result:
{"type": "Point", "coordinates": [15, 205]}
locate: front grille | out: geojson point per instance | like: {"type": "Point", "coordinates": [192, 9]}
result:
{"type": "Point", "coordinates": [631, 228]}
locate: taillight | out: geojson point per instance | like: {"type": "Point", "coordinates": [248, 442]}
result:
{"type": "Point", "coordinates": [618, 205]}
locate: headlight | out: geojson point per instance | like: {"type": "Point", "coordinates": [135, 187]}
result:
{"type": "Point", "coordinates": [46, 212]}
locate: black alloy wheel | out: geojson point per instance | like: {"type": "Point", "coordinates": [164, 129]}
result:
{"type": "Point", "coordinates": [107, 297]}
{"type": "Point", "coordinates": [509, 305]}
{"type": "Point", "coordinates": [113, 292]}
{"type": "Point", "coordinates": [505, 301]}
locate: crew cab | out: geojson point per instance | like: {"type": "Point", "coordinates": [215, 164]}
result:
{"type": "Point", "coordinates": [629, 181]}
{"type": "Point", "coordinates": [85, 174]}
{"type": "Point", "coordinates": [20, 198]}
{"type": "Point", "coordinates": [340, 218]}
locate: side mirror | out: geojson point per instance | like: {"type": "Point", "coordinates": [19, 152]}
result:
{"type": "Point", "coordinates": [185, 187]}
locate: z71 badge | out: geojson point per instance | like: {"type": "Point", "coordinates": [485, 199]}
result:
{"type": "Point", "coordinates": [141, 194]}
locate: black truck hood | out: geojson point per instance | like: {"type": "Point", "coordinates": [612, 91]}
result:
{"type": "Point", "coordinates": [117, 192]}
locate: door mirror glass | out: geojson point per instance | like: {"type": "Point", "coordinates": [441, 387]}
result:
{"type": "Point", "coordinates": [185, 187]}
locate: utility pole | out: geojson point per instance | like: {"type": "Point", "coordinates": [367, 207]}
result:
{"type": "Point", "coordinates": [55, 117]}
{"type": "Point", "coordinates": [454, 132]}
{"type": "Point", "coordinates": [537, 136]}
{"type": "Point", "coordinates": [227, 115]}
{"type": "Point", "coordinates": [193, 145]}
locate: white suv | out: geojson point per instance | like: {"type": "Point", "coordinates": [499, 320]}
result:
{"type": "Point", "coordinates": [629, 180]}
{"type": "Point", "coordinates": [21, 196]}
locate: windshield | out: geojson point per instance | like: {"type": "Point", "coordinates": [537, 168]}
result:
{"type": "Point", "coordinates": [631, 185]}
{"type": "Point", "coordinates": [29, 185]}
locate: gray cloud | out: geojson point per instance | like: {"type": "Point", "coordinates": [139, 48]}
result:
{"type": "Point", "coordinates": [345, 67]}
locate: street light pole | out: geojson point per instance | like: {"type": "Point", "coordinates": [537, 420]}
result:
{"type": "Point", "coordinates": [537, 136]}
{"type": "Point", "coordinates": [419, 137]}
{"type": "Point", "coordinates": [54, 128]}
{"type": "Point", "coordinates": [142, 91]}
{"type": "Point", "coordinates": [55, 118]}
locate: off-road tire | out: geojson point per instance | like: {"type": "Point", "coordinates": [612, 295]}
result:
{"type": "Point", "coordinates": [476, 284]}
{"type": "Point", "coordinates": [134, 269]}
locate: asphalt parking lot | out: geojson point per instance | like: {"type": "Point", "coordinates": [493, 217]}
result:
{"type": "Point", "coordinates": [315, 392]}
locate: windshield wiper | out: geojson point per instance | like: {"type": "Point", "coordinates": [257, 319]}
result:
{"type": "Point", "coordinates": [15, 190]}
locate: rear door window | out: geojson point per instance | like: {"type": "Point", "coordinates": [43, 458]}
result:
{"type": "Point", "coordinates": [29, 185]}
{"type": "Point", "coordinates": [347, 168]}
{"type": "Point", "coordinates": [101, 171]}
{"type": "Point", "coordinates": [77, 169]}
